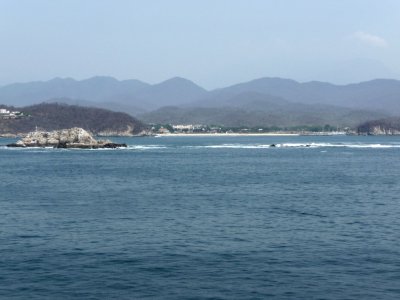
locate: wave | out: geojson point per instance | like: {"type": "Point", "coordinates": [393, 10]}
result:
{"type": "Point", "coordinates": [337, 145]}
{"type": "Point", "coordinates": [231, 146]}
{"type": "Point", "coordinates": [297, 145]}
{"type": "Point", "coordinates": [145, 147]}
{"type": "Point", "coordinates": [222, 146]}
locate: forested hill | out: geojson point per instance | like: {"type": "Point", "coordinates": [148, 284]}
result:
{"type": "Point", "coordinates": [54, 116]}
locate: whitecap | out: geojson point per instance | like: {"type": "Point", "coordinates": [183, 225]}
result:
{"type": "Point", "coordinates": [146, 147]}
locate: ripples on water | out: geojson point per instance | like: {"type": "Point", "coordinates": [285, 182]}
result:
{"type": "Point", "coordinates": [203, 218]}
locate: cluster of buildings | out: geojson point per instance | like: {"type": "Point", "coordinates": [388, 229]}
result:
{"type": "Point", "coordinates": [160, 129]}
{"type": "Point", "coordinates": [188, 128]}
{"type": "Point", "coordinates": [6, 114]}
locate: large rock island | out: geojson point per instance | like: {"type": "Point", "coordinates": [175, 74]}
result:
{"type": "Point", "coordinates": [65, 138]}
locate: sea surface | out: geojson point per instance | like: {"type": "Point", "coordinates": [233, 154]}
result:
{"type": "Point", "coordinates": [203, 218]}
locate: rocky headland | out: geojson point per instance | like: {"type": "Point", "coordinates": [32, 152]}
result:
{"type": "Point", "coordinates": [65, 138]}
{"type": "Point", "coordinates": [388, 126]}
{"type": "Point", "coordinates": [53, 116]}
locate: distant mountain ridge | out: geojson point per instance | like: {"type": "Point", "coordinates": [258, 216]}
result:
{"type": "Point", "coordinates": [378, 94]}
{"type": "Point", "coordinates": [260, 99]}
{"type": "Point", "coordinates": [101, 91]}
{"type": "Point", "coordinates": [95, 89]}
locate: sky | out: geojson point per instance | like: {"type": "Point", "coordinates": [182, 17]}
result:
{"type": "Point", "coordinates": [214, 43]}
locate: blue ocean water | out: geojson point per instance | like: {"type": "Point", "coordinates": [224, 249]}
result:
{"type": "Point", "coordinates": [203, 218]}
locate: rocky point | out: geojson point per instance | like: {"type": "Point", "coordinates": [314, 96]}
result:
{"type": "Point", "coordinates": [65, 138]}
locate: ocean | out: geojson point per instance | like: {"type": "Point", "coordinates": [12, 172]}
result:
{"type": "Point", "coordinates": [316, 217]}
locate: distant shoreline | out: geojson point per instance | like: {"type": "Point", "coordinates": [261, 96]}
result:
{"type": "Point", "coordinates": [252, 134]}
{"type": "Point", "coordinates": [231, 134]}
{"type": "Point", "coordinates": [225, 134]}
{"type": "Point", "coordinates": [186, 135]}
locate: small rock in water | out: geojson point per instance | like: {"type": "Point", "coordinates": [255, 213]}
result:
{"type": "Point", "coordinates": [114, 145]}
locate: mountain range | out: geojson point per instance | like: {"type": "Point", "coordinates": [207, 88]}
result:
{"type": "Point", "coordinates": [264, 101]}
{"type": "Point", "coordinates": [132, 96]}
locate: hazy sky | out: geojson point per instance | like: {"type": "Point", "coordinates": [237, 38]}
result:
{"type": "Point", "coordinates": [212, 42]}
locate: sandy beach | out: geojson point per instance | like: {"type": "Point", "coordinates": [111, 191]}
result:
{"type": "Point", "coordinates": [225, 134]}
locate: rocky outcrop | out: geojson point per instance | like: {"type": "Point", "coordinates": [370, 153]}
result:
{"type": "Point", "coordinates": [127, 132]}
{"type": "Point", "coordinates": [66, 138]}
{"type": "Point", "coordinates": [388, 126]}
{"type": "Point", "coordinates": [380, 130]}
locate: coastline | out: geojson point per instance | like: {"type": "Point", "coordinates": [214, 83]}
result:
{"type": "Point", "coordinates": [225, 134]}
{"type": "Point", "coordinates": [196, 135]}
{"type": "Point", "coordinates": [230, 134]}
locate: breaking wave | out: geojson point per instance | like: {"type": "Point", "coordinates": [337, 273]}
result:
{"type": "Point", "coordinates": [145, 147]}
{"type": "Point", "coordinates": [337, 145]}
{"type": "Point", "coordinates": [223, 146]}
{"type": "Point", "coordinates": [298, 145]}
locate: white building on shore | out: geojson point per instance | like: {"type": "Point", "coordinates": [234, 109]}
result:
{"type": "Point", "coordinates": [6, 114]}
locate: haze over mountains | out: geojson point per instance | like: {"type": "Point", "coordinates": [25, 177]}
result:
{"type": "Point", "coordinates": [132, 95]}
{"type": "Point", "coordinates": [268, 101]}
